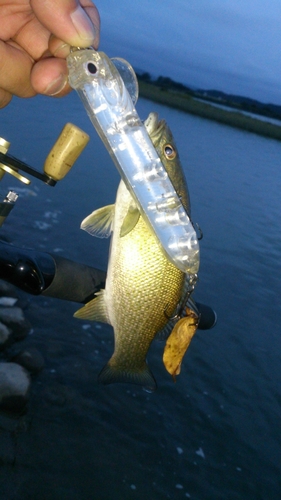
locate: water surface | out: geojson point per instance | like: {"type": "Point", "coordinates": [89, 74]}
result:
{"type": "Point", "coordinates": [215, 434]}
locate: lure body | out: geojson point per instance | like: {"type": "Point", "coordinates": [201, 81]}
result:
{"type": "Point", "coordinates": [112, 112]}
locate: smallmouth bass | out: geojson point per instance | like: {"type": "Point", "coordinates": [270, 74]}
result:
{"type": "Point", "coordinates": [143, 288]}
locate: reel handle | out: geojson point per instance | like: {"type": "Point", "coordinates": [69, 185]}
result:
{"type": "Point", "coordinates": [65, 151]}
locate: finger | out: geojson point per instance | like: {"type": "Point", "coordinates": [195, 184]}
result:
{"type": "Point", "coordinates": [49, 77]}
{"type": "Point", "coordinates": [76, 23]}
{"type": "Point", "coordinates": [15, 68]}
{"type": "Point", "coordinates": [58, 48]}
{"type": "Point", "coordinates": [5, 98]}
{"type": "Point", "coordinates": [33, 38]}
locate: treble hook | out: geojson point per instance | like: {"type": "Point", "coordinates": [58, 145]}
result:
{"type": "Point", "coordinates": [176, 316]}
{"type": "Point", "coordinates": [182, 304]}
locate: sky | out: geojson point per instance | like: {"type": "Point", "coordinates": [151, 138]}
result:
{"type": "Point", "coordinates": [228, 45]}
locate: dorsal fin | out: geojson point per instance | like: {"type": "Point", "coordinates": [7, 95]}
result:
{"type": "Point", "coordinates": [95, 310]}
{"type": "Point", "coordinates": [99, 222]}
{"type": "Point", "coordinates": [164, 333]}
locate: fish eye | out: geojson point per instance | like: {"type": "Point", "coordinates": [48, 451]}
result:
{"type": "Point", "coordinates": [169, 152]}
{"type": "Point", "coordinates": [91, 67]}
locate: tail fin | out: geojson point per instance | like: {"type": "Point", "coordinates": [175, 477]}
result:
{"type": "Point", "coordinates": [111, 374]}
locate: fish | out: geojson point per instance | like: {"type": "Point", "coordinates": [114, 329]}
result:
{"type": "Point", "coordinates": [143, 287]}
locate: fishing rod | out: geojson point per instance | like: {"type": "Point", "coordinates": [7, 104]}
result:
{"type": "Point", "coordinates": [42, 273]}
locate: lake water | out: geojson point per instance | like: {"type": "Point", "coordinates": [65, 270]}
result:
{"type": "Point", "coordinates": [215, 434]}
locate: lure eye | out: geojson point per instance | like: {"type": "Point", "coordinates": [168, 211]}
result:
{"type": "Point", "coordinates": [91, 67]}
{"type": "Point", "coordinates": [169, 152]}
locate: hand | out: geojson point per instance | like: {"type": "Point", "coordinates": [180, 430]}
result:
{"type": "Point", "coordinates": [35, 38]}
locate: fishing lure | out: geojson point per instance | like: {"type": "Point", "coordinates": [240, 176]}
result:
{"type": "Point", "coordinates": [109, 102]}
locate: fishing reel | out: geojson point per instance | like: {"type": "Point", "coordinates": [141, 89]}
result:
{"type": "Point", "coordinates": [59, 161]}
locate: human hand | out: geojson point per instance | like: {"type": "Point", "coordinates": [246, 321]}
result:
{"type": "Point", "coordinates": [35, 38]}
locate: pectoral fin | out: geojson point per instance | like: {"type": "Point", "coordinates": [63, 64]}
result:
{"type": "Point", "coordinates": [130, 220]}
{"type": "Point", "coordinates": [95, 310]}
{"type": "Point", "coordinates": [99, 222]}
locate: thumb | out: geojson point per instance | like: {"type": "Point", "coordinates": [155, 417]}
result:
{"type": "Point", "coordinates": [76, 23]}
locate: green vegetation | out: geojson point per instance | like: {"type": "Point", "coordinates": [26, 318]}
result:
{"type": "Point", "coordinates": [180, 97]}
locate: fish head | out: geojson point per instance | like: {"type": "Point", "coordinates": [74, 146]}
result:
{"type": "Point", "coordinates": [164, 143]}
{"type": "Point", "coordinates": [161, 137]}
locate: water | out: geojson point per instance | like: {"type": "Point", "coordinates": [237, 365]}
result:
{"type": "Point", "coordinates": [215, 434]}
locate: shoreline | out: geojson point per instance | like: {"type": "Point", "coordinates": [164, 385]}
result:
{"type": "Point", "coordinates": [188, 104]}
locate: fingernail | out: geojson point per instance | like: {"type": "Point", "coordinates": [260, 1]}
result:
{"type": "Point", "coordinates": [83, 25]}
{"type": "Point", "coordinates": [56, 86]}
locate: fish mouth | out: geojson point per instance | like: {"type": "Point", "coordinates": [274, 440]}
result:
{"type": "Point", "coordinates": [153, 125]}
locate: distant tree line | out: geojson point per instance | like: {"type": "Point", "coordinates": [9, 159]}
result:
{"type": "Point", "coordinates": [215, 96]}
{"type": "Point", "coordinates": [164, 82]}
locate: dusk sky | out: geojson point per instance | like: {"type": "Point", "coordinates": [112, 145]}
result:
{"type": "Point", "coordinates": [228, 45]}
